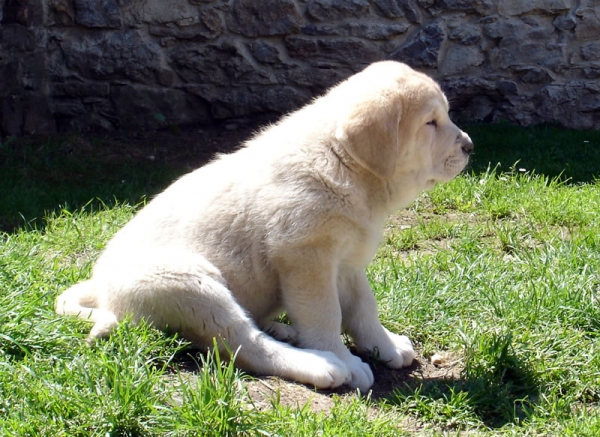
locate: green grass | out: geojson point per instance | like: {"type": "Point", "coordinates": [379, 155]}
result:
{"type": "Point", "coordinates": [47, 175]}
{"type": "Point", "coordinates": [555, 152]}
{"type": "Point", "coordinates": [499, 269]}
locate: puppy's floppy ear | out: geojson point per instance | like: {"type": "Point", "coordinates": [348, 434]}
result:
{"type": "Point", "coordinates": [369, 131]}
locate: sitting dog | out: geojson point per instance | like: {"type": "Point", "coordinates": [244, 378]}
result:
{"type": "Point", "coordinates": [287, 223]}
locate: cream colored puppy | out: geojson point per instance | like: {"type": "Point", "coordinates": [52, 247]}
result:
{"type": "Point", "coordinates": [287, 223]}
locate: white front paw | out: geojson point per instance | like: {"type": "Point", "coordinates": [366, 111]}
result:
{"type": "Point", "coordinates": [322, 369]}
{"type": "Point", "coordinates": [401, 352]}
{"type": "Point", "coordinates": [325, 370]}
{"type": "Point", "coordinates": [361, 376]}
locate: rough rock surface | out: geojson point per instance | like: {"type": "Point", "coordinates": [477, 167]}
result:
{"type": "Point", "coordinates": [111, 64]}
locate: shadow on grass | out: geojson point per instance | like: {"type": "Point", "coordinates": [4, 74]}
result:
{"type": "Point", "coordinates": [39, 175]}
{"type": "Point", "coordinates": [570, 155]}
{"type": "Point", "coordinates": [495, 386]}
{"type": "Point", "coordinates": [491, 385]}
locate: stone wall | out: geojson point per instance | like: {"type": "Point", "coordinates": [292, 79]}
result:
{"type": "Point", "coordinates": [129, 64]}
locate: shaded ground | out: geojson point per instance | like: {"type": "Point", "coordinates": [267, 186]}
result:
{"type": "Point", "coordinates": [41, 175]}
{"type": "Point", "coordinates": [264, 389]}
{"type": "Point", "coordinates": [184, 149]}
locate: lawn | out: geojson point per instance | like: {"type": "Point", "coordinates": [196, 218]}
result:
{"type": "Point", "coordinates": [495, 276]}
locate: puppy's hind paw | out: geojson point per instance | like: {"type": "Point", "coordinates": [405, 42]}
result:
{"type": "Point", "coordinates": [280, 331]}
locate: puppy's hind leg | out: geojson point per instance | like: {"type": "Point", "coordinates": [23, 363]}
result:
{"type": "Point", "coordinates": [185, 293]}
{"type": "Point", "coordinates": [211, 311]}
{"type": "Point", "coordinates": [81, 300]}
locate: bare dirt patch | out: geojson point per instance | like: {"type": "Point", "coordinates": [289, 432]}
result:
{"type": "Point", "coordinates": [263, 390]}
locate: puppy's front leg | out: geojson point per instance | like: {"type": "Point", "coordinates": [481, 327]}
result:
{"type": "Point", "coordinates": [310, 295]}
{"type": "Point", "coordinates": [361, 322]}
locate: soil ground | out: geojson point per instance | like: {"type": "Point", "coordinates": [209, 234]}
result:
{"type": "Point", "coordinates": [291, 394]}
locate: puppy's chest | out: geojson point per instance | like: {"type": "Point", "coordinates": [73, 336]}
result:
{"type": "Point", "coordinates": [360, 247]}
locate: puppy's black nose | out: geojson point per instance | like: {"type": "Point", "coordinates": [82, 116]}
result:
{"type": "Point", "coordinates": [467, 146]}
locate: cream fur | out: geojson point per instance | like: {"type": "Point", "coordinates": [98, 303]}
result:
{"type": "Point", "coordinates": [287, 223]}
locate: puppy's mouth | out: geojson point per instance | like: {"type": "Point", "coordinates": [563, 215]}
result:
{"type": "Point", "coordinates": [454, 165]}
{"type": "Point", "coordinates": [457, 163]}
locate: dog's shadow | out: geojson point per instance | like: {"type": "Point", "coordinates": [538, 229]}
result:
{"type": "Point", "coordinates": [438, 392]}
{"type": "Point", "coordinates": [445, 392]}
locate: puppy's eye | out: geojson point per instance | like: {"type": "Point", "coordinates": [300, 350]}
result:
{"type": "Point", "coordinates": [432, 123]}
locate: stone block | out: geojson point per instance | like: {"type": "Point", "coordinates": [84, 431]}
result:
{"type": "Point", "coordinates": [564, 22]}
{"type": "Point", "coordinates": [172, 11]}
{"type": "Point", "coordinates": [460, 59]}
{"type": "Point", "coordinates": [464, 33]}
{"type": "Point", "coordinates": [332, 51]}
{"type": "Point", "coordinates": [474, 98]}
{"type": "Point", "coordinates": [442, 7]}
{"type": "Point", "coordinates": [207, 25]}
{"type": "Point", "coordinates": [264, 17]}
{"type": "Point", "coordinates": [17, 38]}
{"type": "Point", "coordinates": [236, 102]}
{"type": "Point", "coordinates": [519, 7]}
{"type": "Point", "coordinates": [283, 99]}
{"type": "Point", "coordinates": [68, 107]}
{"type": "Point", "coordinates": [321, 30]}
{"type": "Point", "coordinates": [97, 13]}
{"type": "Point", "coordinates": [266, 53]}
{"type": "Point", "coordinates": [314, 78]}
{"type": "Point", "coordinates": [528, 41]}
{"type": "Point", "coordinates": [38, 119]}
{"type": "Point", "coordinates": [196, 32]}
{"type": "Point", "coordinates": [251, 100]}
{"type": "Point", "coordinates": [112, 55]}
{"type": "Point", "coordinates": [591, 72]}
{"type": "Point", "coordinates": [572, 104]}
{"type": "Point", "coordinates": [533, 75]}
{"type": "Point", "coordinates": [399, 9]}
{"type": "Point", "coordinates": [62, 12]}
{"type": "Point", "coordinates": [9, 72]}
{"type": "Point", "coordinates": [514, 52]}
{"type": "Point", "coordinates": [590, 51]}
{"type": "Point", "coordinates": [588, 23]}
{"type": "Point", "coordinates": [423, 50]}
{"type": "Point", "coordinates": [220, 64]}
{"type": "Point", "coordinates": [32, 72]}
{"type": "Point", "coordinates": [78, 89]}
{"type": "Point", "coordinates": [376, 31]}
{"type": "Point", "coordinates": [334, 10]}
{"type": "Point", "coordinates": [27, 13]}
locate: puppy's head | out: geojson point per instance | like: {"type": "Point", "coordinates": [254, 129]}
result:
{"type": "Point", "coordinates": [393, 120]}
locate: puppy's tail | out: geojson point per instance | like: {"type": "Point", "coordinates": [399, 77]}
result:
{"type": "Point", "coordinates": [81, 300]}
